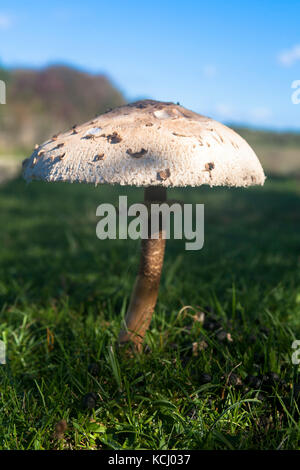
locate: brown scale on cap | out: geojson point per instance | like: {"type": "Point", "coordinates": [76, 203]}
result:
{"type": "Point", "coordinates": [40, 153]}
{"type": "Point", "coordinates": [179, 135]}
{"type": "Point", "coordinates": [59, 146]}
{"type": "Point", "coordinates": [216, 139]}
{"type": "Point", "coordinates": [91, 137]}
{"type": "Point", "coordinates": [163, 174]}
{"type": "Point", "coordinates": [220, 137]}
{"type": "Point", "coordinates": [99, 157]}
{"type": "Point", "coordinates": [209, 166]}
{"type": "Point", "coordinates": [141, 105]}
{"type": "Point", "coordinates": [139, 154]}
{"type": "Point", "coordinates": [61, 156]}
{"type": "Point", "coordinates": [114, 138]}
{"type": "Point", "coordinates": [54, 137]}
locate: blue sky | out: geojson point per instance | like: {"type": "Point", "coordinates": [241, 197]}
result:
{"type": "Point", "coordinates": [234, 61]}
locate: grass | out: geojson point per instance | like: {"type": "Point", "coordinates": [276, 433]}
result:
{"type": "Point", "coordinates": [277, 151]}
{"type": "Point", "coordinates": [63, 294]}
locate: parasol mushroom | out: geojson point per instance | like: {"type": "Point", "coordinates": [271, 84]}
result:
{"type": "Point", "coordinates": [155, 145]}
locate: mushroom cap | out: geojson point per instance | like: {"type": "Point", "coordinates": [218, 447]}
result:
{"type": "Point", "coordinates": [147, 143]}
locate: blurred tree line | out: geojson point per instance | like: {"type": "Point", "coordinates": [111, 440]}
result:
{"type": "Point", "coordinates": [40, 103]}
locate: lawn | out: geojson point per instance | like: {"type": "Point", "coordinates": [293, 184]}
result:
{"type": "Point", "coordinates": [225, 383]}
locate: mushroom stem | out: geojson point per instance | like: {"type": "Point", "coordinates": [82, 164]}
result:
{"type": "Point", "coordinates": [145, 290]}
